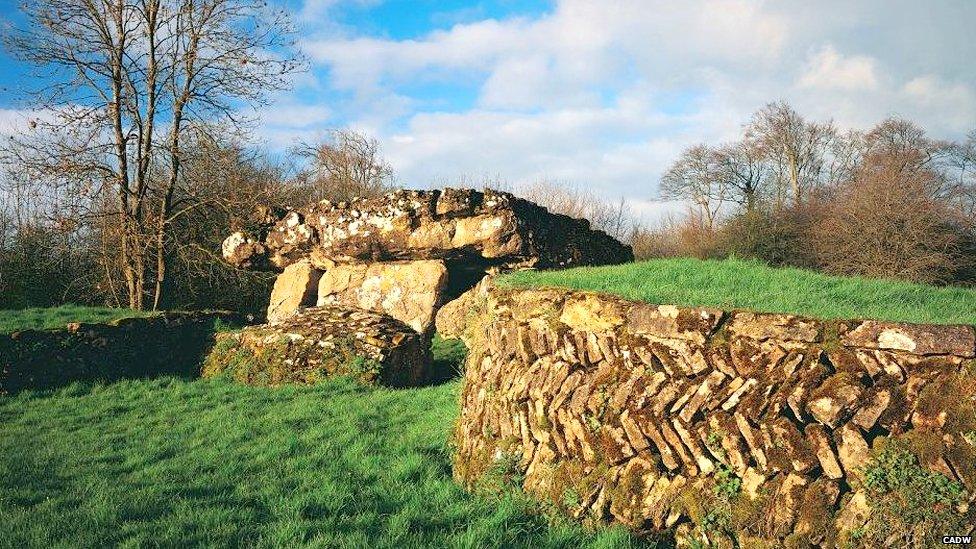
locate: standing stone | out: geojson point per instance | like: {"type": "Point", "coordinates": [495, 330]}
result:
{"type": "Point", "coordinates": [409, 291]}
{"type": "Point", "coordinates": [294, 288]}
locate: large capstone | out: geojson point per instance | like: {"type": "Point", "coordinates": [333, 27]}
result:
{"type": "Point", "coordinates": [320, 342]}
{"type": "Point", "coordinates": [490, 228]}
{"type": "Point", "coordinates": [409, 252]}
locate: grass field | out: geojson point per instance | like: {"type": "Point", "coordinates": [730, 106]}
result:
{"type": "Point", "coordinates": [189, 462]}
{"type": "Point", "coordinates": [57, 317]}
{"type": "Point", "coordinates": [178, 462]}
{"type": "Point", "coordinates": [733, 284]}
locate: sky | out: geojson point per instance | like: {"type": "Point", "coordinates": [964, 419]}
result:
{"type": "Point", "coordinates": [596, 94]}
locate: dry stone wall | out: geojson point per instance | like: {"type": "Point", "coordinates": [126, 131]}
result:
{"type": "Point", "coordinates": [655, 416]}
{"type": "Point", "coordinates": [170, 343]}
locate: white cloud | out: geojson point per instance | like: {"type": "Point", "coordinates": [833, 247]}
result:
{"type": "Point", "coordinates": [829, 70]}
{"type": "Point", "coordinates": [606, 94]}
{"type": "Point", "coordinates": [579, 44]}
{"type": "Point", "coordinates": [606, 149]}
{"type": "Point", "coordinates": [294, 115]}
{"type": "Point", "coordinates": [285, 122]}
{"type": "Point", "coordinates": [14, 121]}
{"type": "Point", "coordinates": [930, 90]}
{"type": "Point", "coordinates": [950, 106]}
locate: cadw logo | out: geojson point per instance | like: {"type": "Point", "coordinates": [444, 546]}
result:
{"type": "Point", "coordinates": [957, 540]}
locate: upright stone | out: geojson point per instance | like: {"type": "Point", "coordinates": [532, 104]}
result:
{"type": "Point", "coordinates": [294, 288]}
{"type": "Point", "coordinates": [409, 291]}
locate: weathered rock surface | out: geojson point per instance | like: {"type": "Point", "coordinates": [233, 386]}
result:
{"type": "Point", "coordinates": [453, 317]}
{"type": "Point", "coordinates": [409, 252]}
{"type": "Point", "coordinates": [914, 338]}
{"type": "Point", "coordinates": [762, 326]}
{"type": "Point", "coordinates": [319, 342]}
{"type": "Point", "coordinates": [295, 287]}
{"type": "Point", "coordinates": [243, 251]}
{"type": "Point", "coordinates": [495, 229]}
{"type": "Point", "coordinates": [409, 291]}
{"type": "Point", "coordinates": [613, 411]}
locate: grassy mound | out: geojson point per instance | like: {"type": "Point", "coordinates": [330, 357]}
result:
{"type": "Point", "coordinates": [57, 317]}
{"type": "Point", "coordinates": [176, 462]}
{"type": "Point", "coordinates": [737, 284]}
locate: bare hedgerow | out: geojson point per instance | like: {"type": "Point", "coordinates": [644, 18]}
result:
{"type": "Point", "coordinates": [889, 221]}
{"type": "Point", "coordinates": [778, 236]}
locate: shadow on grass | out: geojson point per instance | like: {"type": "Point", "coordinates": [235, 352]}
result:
{"type": "Point", "coordinates": [169, 462]}
{"type": "Point", "coordinates": [447, 360]}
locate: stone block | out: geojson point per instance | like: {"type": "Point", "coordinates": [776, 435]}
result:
{"type": "Point", "coordinates": [295, 288]}
{"type": "Point", "coordinates": [409, 291]}
{"type": "Point", "coordinates": [320, 342]}
{"type": "Point", "coordinates": [919, 339]}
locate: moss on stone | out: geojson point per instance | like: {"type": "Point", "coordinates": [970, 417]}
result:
{"type": "Point", "coordinates": [720, 337]}
{"type": "Point", "coordinates": [831, 335]}
{"type": "Point", "coordinates": [908, 502]}
{"type": "Point", "coordinates": [748, 515]}
{"type": "Point", "coordinates": [952, 395]}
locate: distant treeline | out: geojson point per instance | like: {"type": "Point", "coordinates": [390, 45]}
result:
{"type": "Point", "coordinates": [57, 246]}
{"type": "Point", "coordinates": [891, 202]}
{"type": "Point", "coordinates": [888, 203]}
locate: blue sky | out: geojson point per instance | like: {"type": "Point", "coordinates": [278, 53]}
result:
{"type": "Point", "coordinates": [602, 95]}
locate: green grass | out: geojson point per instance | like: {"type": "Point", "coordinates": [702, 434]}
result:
{"type": "Point", "coordinates": [173, 462]}
{"type": "Point", "coordinates": [57, 317]}
{"type": "Point", "coordinates": [737, 284]}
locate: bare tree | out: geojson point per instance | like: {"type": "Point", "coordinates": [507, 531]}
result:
{"type": "Point", "coordinates": [743, 167]}
{"type": "Point", "coordinates": [843, 157]}
{"type": "Point", "coordinates": [125, 80]}
{"type": "Point", "coordinates": [231, 180]}
{"type": "Point", "coordinates": [794, 148]}
{"type": "Point", "coordinates": [962, 183]}
{"type": "Point", "coordinates": [346, 165]}
{"type": "Point", "coordinates": [698, 176]}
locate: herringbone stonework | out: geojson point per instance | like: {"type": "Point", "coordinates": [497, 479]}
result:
{"type": "Point", "coordinates": [627, 412]}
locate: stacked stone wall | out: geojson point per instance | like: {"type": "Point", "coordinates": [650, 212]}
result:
{"type": "Point", "coordinates": [320, 342]}
{"type": "Point", "coordinates": [722, 428]}
{"type": "Point", "coordinates": [171, 343]}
